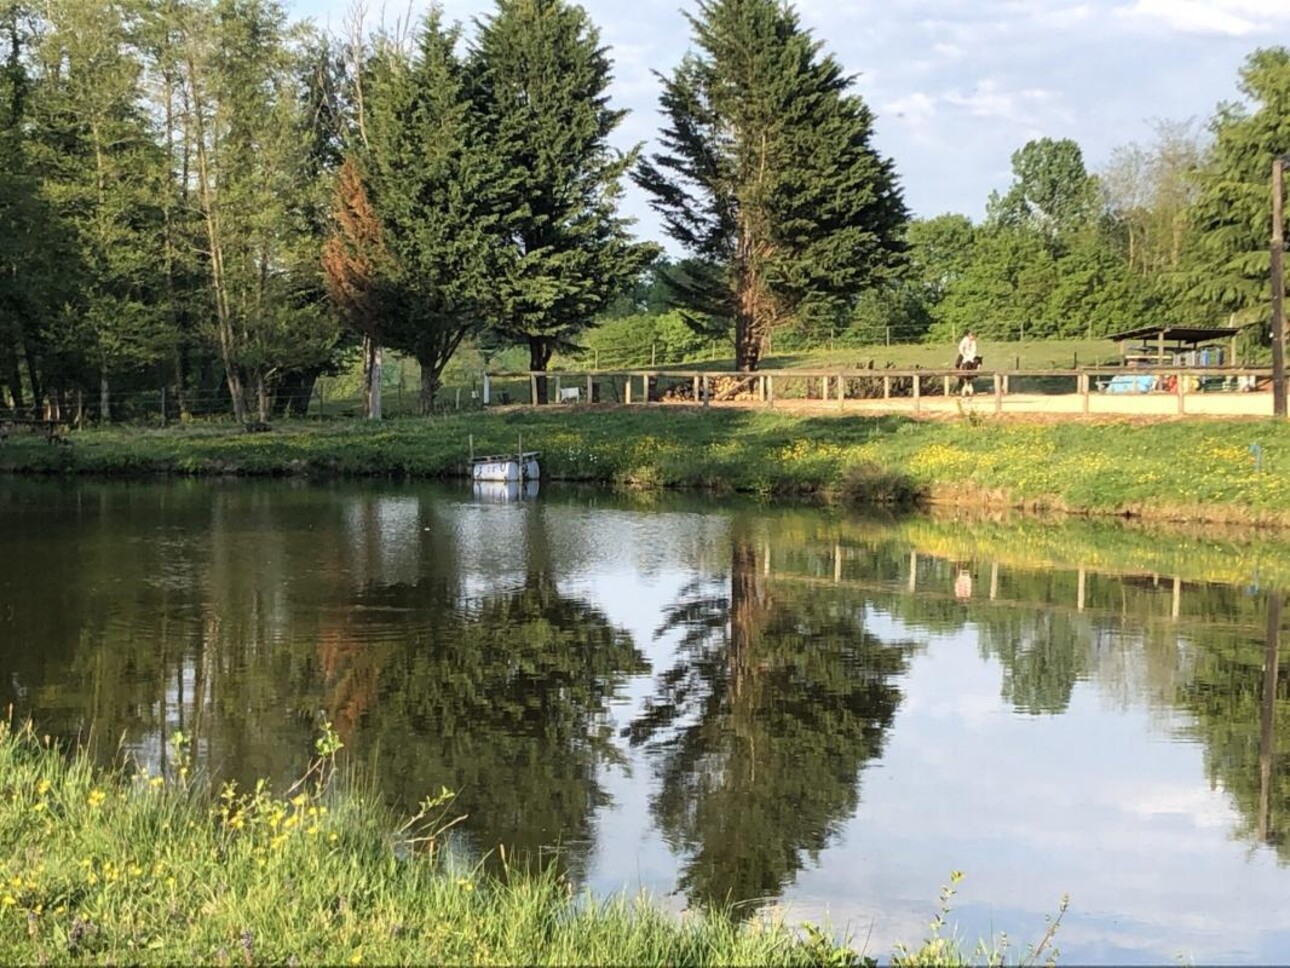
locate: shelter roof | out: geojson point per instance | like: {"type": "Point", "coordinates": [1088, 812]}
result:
{"type": "Point", "coordinates": [1185, 334]}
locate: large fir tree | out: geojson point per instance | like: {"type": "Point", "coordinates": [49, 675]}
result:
{"type": "Point", "coordinates": [1227, 270]}
{"type": "Point", "coordinates": [767, 176]}
{"type": "Point", "coordinates": [436, 189]}
{"type": "Point", "coordinates": [539, 80]}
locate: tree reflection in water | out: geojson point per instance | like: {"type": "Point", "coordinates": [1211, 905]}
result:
{"type": "Point", "coordinates": [759, 732]}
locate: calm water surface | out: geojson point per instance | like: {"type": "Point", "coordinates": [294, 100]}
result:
{"type": "Point", "coordinates": [711, 701]}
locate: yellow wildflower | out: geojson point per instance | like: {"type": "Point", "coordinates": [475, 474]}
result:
{"type": "Point", "coordinates": [96, 797]}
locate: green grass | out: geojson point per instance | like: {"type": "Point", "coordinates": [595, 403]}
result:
{"type": "Point", "coordinates": [112, 867]}
{"type": "Point", "coordinates": [1177, 470]}
{"type": "Point", "coordinates": [1030, 355]}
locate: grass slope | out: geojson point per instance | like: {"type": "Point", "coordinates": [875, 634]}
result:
{"type": "Point", "coordinates": [1183, 470]}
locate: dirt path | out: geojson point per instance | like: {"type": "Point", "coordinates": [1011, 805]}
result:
{"type": "Point", "coordinates": [1153, 405]}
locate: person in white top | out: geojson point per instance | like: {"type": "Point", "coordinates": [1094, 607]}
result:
{"type": "Point", "coordinates": [968, 360]}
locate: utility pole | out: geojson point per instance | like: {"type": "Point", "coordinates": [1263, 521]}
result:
{"type": "Point", "coordinates": [1278, 288]}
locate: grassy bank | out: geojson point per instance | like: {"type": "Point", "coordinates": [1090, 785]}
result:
{"type": "Point", "coordinates": [1200, 470]}
{"type": "Point", "coordinates": [120, 867]}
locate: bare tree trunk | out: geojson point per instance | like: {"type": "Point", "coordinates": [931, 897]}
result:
{"type": "Point", "coordinates": [33, 378]}
{"type": "Point", "coordinates": [372, 355]}
{"type": "Point", "coordinates": [262, 396]}
{"type": "Point", "coordinates": [105, 398]}
{"type": "Point", "coordinates": [215, 240]}
{"type": "Point", "coordinates": [14, 379]}
{"type": "Point", "coordinates": [540, 351]}
{"type": "Point", "coordinates": [429, 387]}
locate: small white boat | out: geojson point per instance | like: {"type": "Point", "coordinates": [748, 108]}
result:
{"type": "Point", "coordinates": [506, 468]}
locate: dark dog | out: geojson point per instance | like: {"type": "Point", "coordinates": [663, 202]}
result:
{"type": "Point", "coordinates": [969, 366]}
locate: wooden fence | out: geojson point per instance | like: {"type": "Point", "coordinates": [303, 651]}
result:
{"type": "Point", "coordinates": [912, 387]}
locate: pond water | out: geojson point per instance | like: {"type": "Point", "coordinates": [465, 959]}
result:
{"type": "Point", "coordinates": [713, 701]}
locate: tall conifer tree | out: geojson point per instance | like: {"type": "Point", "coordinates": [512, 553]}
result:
{"type": "Point", "coordinates": [437, 190]}
{"type": "Point", "coordinates": [767, 176]}
{"type": "Point", "coordinates": [1228, 269]}
{"type": "Point", "coordinates": [539, 81]}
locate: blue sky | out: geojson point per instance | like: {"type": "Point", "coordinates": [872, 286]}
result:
{"type": "Point", "coordinates": [957, 85]}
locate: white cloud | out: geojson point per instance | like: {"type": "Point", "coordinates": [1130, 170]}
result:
{"type": "Point", "coordinates": [1231, 18]}
{"type": "Point", "coordinates": [915, 111]}
{"type": "Point", "coordinates": [990, 100]}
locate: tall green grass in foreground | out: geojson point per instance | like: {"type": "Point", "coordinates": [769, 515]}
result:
{"type": "Point", "coordinates": [123, 867]}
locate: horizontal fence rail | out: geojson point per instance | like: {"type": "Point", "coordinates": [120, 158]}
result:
{"type": "Point", "coordinates": [903, 388]}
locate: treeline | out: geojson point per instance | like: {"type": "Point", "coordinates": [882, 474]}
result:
{"type": "Point", "coordinates": [1175, 231]}
{"type": "Point", "coordinates": [206, 199]}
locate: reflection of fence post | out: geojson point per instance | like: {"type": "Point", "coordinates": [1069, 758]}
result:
{"type": "Point", "coordinates": [994, 580]}
{"type": "Point", "coordinates": [1083, 582]}
{"type": "Point", "coordinates": [1267, 736]}
{"type": "Point", "coordinates": [913, 571]}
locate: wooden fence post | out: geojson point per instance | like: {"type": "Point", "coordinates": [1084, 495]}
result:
{"type": "Point", "coordinates": [842, 392]}
{"type": "Point", "coordinates": [627, 392]}
{"type": "Point", "coordinates": [946, 387]}
{"type": "Point", "coordinates": [1083, 389]}
{"type": "Point", "coordinates": [918, 393]}
{"type": "Point", "coordinates": [532, 389]}
{"type": "Point", "coordinates": [696, 388]}
{"type": "Point", "coordinates": [998, 393]}
{"type": "Point", "coordinates": [589, 394]}
{"type": "Point", "coordinates": [707, 395]}
{"type": "Point", "coordinates": [770, 390]}
{"type": "Point", "coordinates": [1181, 380]}
{"type": "Point", "coordinates": [886, 388]}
